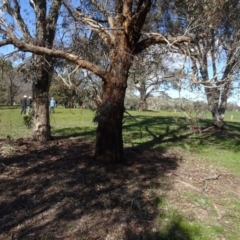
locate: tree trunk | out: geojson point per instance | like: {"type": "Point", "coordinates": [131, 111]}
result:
{"type": "Point", "coordinates": [46, 19]}
{"type": "Point", "coordinates": [109, 142]}
{"type": "Point", "coordinates": [217, 119]}
{"type": "Point", "coordinates": [143, 106]}
{"type": "Point", "coordinates": [213, 97]}
{"type": "Point", "coordinates": [41, 124]}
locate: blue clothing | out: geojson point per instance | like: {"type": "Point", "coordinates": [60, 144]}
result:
{"type": "Point", "coordinates": [52, 103]}
{"type": "Point", "coordinates": [52, 106]}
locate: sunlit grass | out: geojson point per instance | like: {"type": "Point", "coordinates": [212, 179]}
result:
{"type": "Point", "coordinates": [149, 129]}
{"type": "Point", "coordinates": [64, 122]}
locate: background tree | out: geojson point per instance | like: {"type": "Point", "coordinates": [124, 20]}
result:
{"type": "Point", "coordinates": [12, 83]}
{"type": "Point", "coordinates": [5, 69]}
{"type": "Point", "coordinates": [214, 26]}
{"type": "Point", "coordinates": [147, 74]}
{"type": "Point", "coordinates": [74, 87]}
{"type": "Point", "coordinates": [119, 26]}
{"type": "Point", "coordinates": [45, 18]}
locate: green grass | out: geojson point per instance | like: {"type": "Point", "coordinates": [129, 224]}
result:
{"type": "Point", "coordinates": [149, 129]}
{"type": "Point", "coordinates": [168, 130]}
{"type": "Point", "coordinates": [175, 226]}
{"type": "Point", "coordinates": [65, 122]}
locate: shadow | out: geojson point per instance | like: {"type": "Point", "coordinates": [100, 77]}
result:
{"type": "Point", "coordinates": [10, 107]}
{"type": "Point", "coordinates": [163, 132]}
{"type": "Point", "coordinates": [175, 232]}
{"type": "Point", "coordinates": [166, 131]}
{"type": "Point", "coordinates": [85, 132]}
{"type": "Point", "coordinates": [55, 190]}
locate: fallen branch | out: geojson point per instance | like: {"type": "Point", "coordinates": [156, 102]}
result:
{"type": "Point", "coordinates": [212, 177]}
{"type": "Point", "coordinates": [134, 200]}
{"type": "Point", "coordinates": [206, 179]}
{"type": "Point", "coordinates": [188, 185]}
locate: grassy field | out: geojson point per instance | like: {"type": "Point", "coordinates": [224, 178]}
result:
{"type": "Point", "coordinates": [146, 129]}
{"type": "Point", "coordinates": [204, 202]}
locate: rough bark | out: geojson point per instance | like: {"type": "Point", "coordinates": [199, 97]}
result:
{"type": "Point", "coordinates": [44, 67]}
{"type": "Point", "coordinates": [109, 142]}
{"type": "Point", "coordinates": [41, 122]}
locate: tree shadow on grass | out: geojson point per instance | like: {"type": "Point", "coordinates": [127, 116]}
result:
{"type": "Point", "coordinates": [55, 190]}
{"type": "Point", "coordinates": [83, 132]}
{"type": "Point", "coordinates": [164, 130]}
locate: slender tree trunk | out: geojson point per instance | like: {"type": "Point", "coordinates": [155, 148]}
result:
{"type": "Point", "coordinates": [213, 97]}
{"type": "Point", "coordinates": [46, 20]}
{"type": "Point", "coordinates": [143, 97]}
{"type": "Point", "coordinates": [41, 124]}
{"type": "Point", "coordinates": [143, 104]}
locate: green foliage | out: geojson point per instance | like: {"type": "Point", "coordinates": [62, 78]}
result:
{"type": "Point", "coordinates": [28, 120]}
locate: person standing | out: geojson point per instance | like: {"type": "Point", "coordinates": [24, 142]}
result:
{"type": "Point", "coordinates": [24, 104]}
{"type": "Point", "coordinates": [52, 105]}
{"type": "Point", "coordinates": [29, 105]}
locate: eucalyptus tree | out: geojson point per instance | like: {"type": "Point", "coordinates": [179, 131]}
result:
{"type": "Point", "coordinates": [34, 24]}
{"type": "Point", "coordinates": [214, 26]}
{"type": "Point", "coordinates": [12, 82]}
{"type": "Point", "coordinates": [147, 74]}
{"type": "Point", "coordinates": [122, 26]}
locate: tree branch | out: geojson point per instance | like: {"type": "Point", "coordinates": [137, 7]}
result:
{"type": "Point", "coordinates": [5, 42]}
{"type": "Point", "coordinates": [157, 38]}
{"type": "Point", "coordinates": [104, 12]}
{"type": "Point", "coordinates": [81, 62]}
{"type": "Point", "coordinates": [15, 13]}
{"type": "Point", "coordinates": [52, 19]}
{"type": "Point", "coordinates": [139, 17]}
{"type": "Point", "coordinates": [102, 32]}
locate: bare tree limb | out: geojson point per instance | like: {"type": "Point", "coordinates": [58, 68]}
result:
{"type": "Point", "coordinates": [81, 62]}
{"type": "Point", "coordinates": [103, 11]}
{"type": "Point", "coordinates": [157, 38]}
{"type": "Point", "coordinates": [69, 84]}
{"type": "Point", "coordinates": [103, 33]}
{"type": "Point", "coordinates": [15, 12]}
{"type": "Point", "coordinates": [5, 42]}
